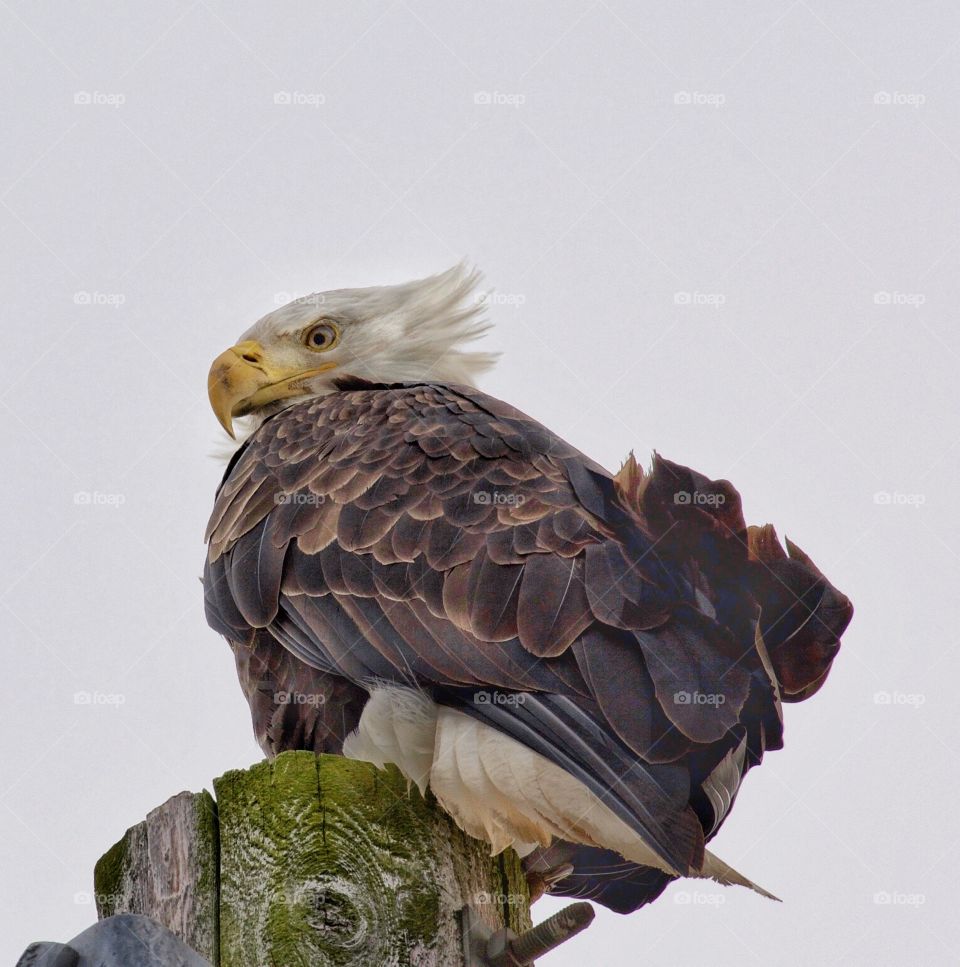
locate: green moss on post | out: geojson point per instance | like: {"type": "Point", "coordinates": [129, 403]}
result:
{"type": "Point", "coordinates": [328, 861]}
{"type": "Point", "coordinates": [109, 875]}
{"type": "Point", "coordinates": [312, 861]}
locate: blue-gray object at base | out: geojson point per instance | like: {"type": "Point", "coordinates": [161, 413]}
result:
{"type": "Point", "coordinates": [48, 955]}
{"type": "Point", "coordinates": [125, 940]}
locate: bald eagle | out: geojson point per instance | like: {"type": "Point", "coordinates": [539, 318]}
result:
{"type": "Point", "coordinates": [578, 665]}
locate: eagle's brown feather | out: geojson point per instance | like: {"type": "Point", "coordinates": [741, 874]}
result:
{"type": "Point", "coordinates": [432, 536]}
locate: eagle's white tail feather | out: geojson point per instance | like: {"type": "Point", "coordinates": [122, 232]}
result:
{"type": "Point", "coordinates": [398, 725]}
{"type": "Point", "coordinates": [714, 868]}
{"type": "Point", "coordinates": [494, 787]}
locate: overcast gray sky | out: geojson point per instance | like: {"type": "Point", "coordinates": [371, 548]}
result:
{"type": "Point", "coordinates": [725, 230]}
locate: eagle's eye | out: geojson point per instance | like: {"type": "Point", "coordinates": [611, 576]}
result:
{"type": "Point", "coordinates": [324, 335]}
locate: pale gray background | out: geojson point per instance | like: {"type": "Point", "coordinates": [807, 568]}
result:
{"type": "Point", "coordinates": [590, 197]}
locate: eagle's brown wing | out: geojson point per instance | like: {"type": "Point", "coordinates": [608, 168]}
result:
{"type": "Point", "coordinates": [430, 535]}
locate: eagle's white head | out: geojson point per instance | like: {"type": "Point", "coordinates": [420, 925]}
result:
{"type": "Point", "coordinates": [386, 334]}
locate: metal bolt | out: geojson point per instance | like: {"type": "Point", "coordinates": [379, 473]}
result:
{"type": "Point", "coordinates": [506, 951]}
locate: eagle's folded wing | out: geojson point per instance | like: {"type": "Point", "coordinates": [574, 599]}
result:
{"type": "Point", "coordinates": [430, 536]}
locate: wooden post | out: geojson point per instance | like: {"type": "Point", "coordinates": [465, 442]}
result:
{"type": "Point", "coordinates": [313, 860]}
{"type": "Point", "coordinates": [166, 868]}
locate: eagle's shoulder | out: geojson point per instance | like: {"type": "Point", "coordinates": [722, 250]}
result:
{"type": "Point", "coordinates": [427, 408]}
{"type": "Point", "coordinates": [440, 441]}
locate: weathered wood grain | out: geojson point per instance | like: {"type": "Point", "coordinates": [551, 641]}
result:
{"type": "Point", "coordinates": [328, 861]}
{"type": "Point", "coordinates": [311, 860]}
{"type": "Point", "coordinates": [167, 868]}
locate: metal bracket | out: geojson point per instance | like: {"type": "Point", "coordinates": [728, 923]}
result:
{"type": "Point", "coordinates": [484, 947]}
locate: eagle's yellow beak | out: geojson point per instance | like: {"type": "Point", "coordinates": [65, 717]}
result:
{"type": "Point", "coordinates": [243, 378]}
